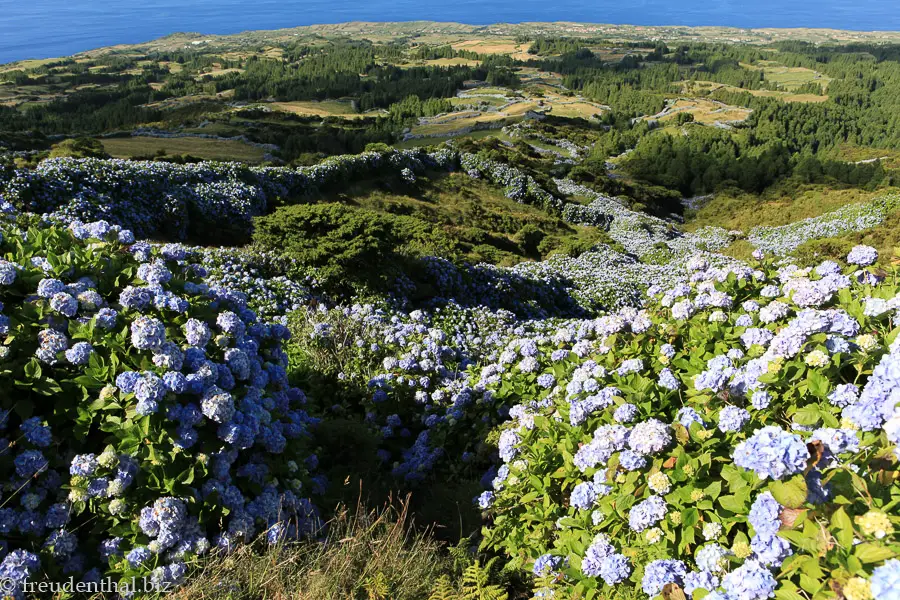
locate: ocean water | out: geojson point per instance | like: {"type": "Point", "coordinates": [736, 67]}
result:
{"type": "Point", "coordinates": [50, 28]}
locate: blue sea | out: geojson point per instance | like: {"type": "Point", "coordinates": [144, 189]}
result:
{"type": "Point", "coordinates": [50, 28]}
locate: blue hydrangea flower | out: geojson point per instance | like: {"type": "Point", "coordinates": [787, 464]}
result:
{"type": "Point", "coordinates": [8, 272]}
{"type": "Point", "coordinates": [147, 333]}
{"type": "Point", "coordinates": [700, 580]}
{"type": "Point", "coordinates": [64, 304]}
{"type": "Point", "coordinates": [36, 433]}
{"type": "Point", "coordinates": [626, 413]}
{"type": "Point", "coordinates": [772, 453]}
{"type": "Point", "coordinates": [548, 564]}
{"type": "Point", "coordinates": [750, 581]}
{"type": "Point", "coordinates": [712, 558]}
{"type": "Point", "coordinates": [649, 437]}
{"type": "Point", "coordinates": [732, 418]}
{"type": "Point", "coordinates": [647, 513]}
{"type": "Point", "coordinates": [660, 572]}
{"type": "Point", "coordinates": [862, 255]}
{"type": "Point", "coordinates": [80, 353]}
{"type": "Point", "coordinates": [485, 500]}
{"type": "Point", "coordinates": [584, 495]}
{"type": "Point", "coordinates": [106, 318]}
{"type": "Point", "coordinates": [631, 461]}
{"type": "Point", "coordinates": [47, 288]}
{"type": "Point", "coordinates": [84, 465]}
{"type": "Point", "coordinates": [614, 569]}
{"type": "Point", "coordinates": [138, 556]}
{"type": "Point", "coordinates": [30, 463]}
{"type": "Point", "coordinates": [885, 581]}
{"type": "Point", "coordinates": [668, 380]}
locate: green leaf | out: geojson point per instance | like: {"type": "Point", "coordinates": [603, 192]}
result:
{"type": "Point", "coordinates": [872, 553]}
{"type": "Point", "coordinates": [842, 528]}
{"type": "Point", "coordinates": [807, 415]}
{"type": "Point", "coordinates": [33, 369]}
{"type": "Point", "coordinates": [818, 383]}
{"type": "Point", "coordinates": [791, 493]}
{"type": "Point", "coordinates": [734, 504]}
{"type": "Point", "coordinates": [787, 591]}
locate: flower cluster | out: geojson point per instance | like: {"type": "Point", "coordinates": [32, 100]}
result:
{"type": "Point", "coordinates": [708, 436]}
{"type": "Point", "coordinates": [170, 398]}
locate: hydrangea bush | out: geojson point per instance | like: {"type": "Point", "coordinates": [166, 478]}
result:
{"type": "Point", "coordinates": [785, 239]}
{"type": "Point", "coordinates": [146, 415]}
{"type": "Point", "coordinates": [207, 200]}
{"type": "Point", "coordinates": [736, 438]}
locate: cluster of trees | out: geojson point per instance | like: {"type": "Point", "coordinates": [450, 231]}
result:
{"type": "Point", "coordinates": [86, 111]}
{"type": "Point", "coordinates": [412, 107]}
{"type": "Point", "coordinates": [707, 159]}
{"type": "Point", "coordinates": [544, 46]}
{"type": "Point", "coordinates": [426, 52]}
{"type": "Point", "coordinates": [316, 73]}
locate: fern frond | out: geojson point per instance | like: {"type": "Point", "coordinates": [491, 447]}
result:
{"type": "Point", "coordinates": [477, 586]}
{"type": "Point", "coordinates": [377, 587]}
{"type": "Point", "coordinates": [443, 590]}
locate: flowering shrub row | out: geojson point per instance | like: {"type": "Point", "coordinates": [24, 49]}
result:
{"type": "Point", "coordinates": [207, 200]}
{"type": "Point", "coordinates": [847, 219]}
{"type": "Point", "coordinates": [736, 438]}
{"type": "Point", "coordinates": [516, 184]}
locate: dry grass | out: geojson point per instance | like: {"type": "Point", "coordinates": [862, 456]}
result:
{"type": "Point", "coordinates": [889, 158]}
{"type": "Point", "coordinates": [218, 73]}
{"type": "Point", "coordinates": [706, 111]}
{"type": "Point", "coordinates": [365, 554]}
{"type": "Point", "coordinates": [325, 108]}
{"type": "Point", "coordinates": [505, 46]}
{"type": "Point", "coordinates": [460, 121]}
{"type": "Point", "coordinates": [745, 211]}
{"type": "Point", "coordinates": [689, 87]}
{"type": "Point", "coordinates": [26, 64]}
{"type": "Point", "coordinates": [789, 78]}
{"type": "Point", "coordinates": [207, 149]}
{"type": "Point", "coordinates": [574, 110]}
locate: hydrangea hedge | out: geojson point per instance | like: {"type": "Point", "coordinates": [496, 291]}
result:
{"type": "Point", "coordinates": [146, 417]}
{"type": "Point", "coordinates": [736, 438]}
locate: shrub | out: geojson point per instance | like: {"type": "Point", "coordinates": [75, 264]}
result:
{"type": "Point", "coordinates": [79, 148]}
{"type": "Point", "coordinates": [738, 434]}
{"type": "Point", "coordinates": [148, 417]}
{"type": "Point", "coordinates": [348, 244]}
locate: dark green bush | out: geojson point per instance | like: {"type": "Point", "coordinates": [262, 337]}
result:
{"type": "Point", "coordinates": [350, 246]}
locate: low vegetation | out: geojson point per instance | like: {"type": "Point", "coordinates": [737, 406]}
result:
{"type": "Point", "coordinates": [619, 322]}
